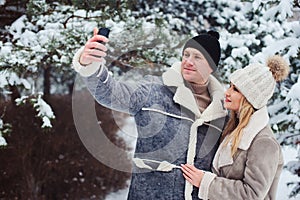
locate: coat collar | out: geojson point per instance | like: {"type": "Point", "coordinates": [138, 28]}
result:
{"type": "Point", "coordinates": [185, 97]}
{"type": "Point", "coordinates": [257, 122]}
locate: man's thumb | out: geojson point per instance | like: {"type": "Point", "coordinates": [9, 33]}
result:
{"type": "Point", "coordinates": [95, 31]}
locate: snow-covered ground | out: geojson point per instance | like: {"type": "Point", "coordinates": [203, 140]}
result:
{"type": "Point", "coordinates": [289, 154]}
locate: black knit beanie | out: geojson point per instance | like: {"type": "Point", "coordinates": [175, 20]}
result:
{"type": "Point", "coordinates": [207, 42]}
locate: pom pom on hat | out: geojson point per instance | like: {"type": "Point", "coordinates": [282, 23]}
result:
{"type": "Point", "coordinates": [279, 67]}
{"type": "Point", "coordinates": [214, 34]}
{"type": "Point", "coordinates": [257, 82]}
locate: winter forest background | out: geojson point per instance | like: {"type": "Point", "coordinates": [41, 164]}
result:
{"type": "Point", "coordinates": [41, 154]}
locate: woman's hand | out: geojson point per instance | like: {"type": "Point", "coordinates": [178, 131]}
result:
{"type": "Point", "coordinates": [192, 174]}
{"type": "Point", "coordinates": [94, 51]}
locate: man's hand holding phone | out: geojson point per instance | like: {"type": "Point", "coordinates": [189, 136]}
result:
{"type": "Point", "coordinates": [94, 49]}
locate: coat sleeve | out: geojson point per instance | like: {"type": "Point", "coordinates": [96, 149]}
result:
{"type": "Point", "coordinates": [260, 170]}
{"type": "Point", "coordinates": [123, 96]}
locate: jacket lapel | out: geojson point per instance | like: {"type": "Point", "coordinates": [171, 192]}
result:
{"type": "Point", "coordinates": [257, 122]}
{"type": "Point", "coordinates": [215, 109]}
{"type": "Point", "coordinates": [185, 97]}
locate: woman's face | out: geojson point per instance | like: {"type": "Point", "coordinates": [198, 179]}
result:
{"type": "Point", "coordinates": [232, 98]}
{"type": "Point", "coordinates": [194, 66]}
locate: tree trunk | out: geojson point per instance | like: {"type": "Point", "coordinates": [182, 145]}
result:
{"type": "Point", "coordinates": [14, 92]}
{"type": "Point", "coordinates": [47, 82]}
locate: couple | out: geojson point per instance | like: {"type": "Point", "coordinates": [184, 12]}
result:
{"type": "Point", "coordinates": [187, 146]}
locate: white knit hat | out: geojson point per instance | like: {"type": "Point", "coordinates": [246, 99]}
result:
{"type": "Point", "coordinates": [257, 82]}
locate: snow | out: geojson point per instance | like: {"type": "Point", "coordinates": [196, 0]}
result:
{"type": "Point", "coordinates": [2, 2]}
{"type": "Point", "coordinates": [5, 50]}
{"type": "Point", "coordinates": [44, 111]}
{"type": "Point", "coordinates": [81, 13]}
{"type": "Point", "coordinates": [284, 8]}
{"type": "Point", "coordinates": [2, 141]}
{"type": "Point", "coordinates": [129, 134]}
{"type": "Point", "coordinates": [294, 92]}
{"type": "Point", "coordinates": [118, 195]}
{"type": "Point", "coordinates": [17, 26]}
{"type": "Point", "coordinates": [3, 81]}
{"type": "Point", "coordinates": [240, 52]}
{"type": "Point", "coordinates": [12, 78]}
{"type": "Point", "coordinates": [28, 38]}
{"type": "Point", "coordinates": [289, 154]}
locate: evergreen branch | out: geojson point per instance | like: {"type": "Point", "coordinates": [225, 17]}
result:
{"type": "Point", "coordinates": [297, 3]}
{"type": "Point", "coordinates": [76, 16]}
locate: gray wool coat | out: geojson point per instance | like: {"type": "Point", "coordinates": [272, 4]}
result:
{"type": "Point", "coordinates": [254, 171]}
{"type": "Point", "coordinates": [171, 129]}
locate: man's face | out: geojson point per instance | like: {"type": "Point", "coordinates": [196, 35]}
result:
{"type": "Point", "coordinates": [194, 66]}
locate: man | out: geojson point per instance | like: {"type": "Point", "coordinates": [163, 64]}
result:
{"type": "Point", "coordinates": [179, 116]}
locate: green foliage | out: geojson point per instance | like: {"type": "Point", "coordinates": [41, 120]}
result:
{"type": "Point", "coordinates": [112, 6]}
{"type": "Point", "coordinates": [44, 41]}
{"type": "Point", "coordinates": [36, 8]}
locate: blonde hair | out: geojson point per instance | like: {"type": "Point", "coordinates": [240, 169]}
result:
{"type": "Point", "coordinates": [236, 123]}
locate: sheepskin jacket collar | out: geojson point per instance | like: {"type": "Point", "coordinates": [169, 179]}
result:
{"type": "Point", "coordinates": [258, 121]}
{"type": "Point", "coordinates": [185, 97]}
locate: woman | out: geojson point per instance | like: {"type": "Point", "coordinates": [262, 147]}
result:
{"type": "Point", "coordinates": [248, 162]}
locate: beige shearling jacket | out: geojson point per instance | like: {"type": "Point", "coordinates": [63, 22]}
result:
{"type": "Point", "coordinates": [254, 171]}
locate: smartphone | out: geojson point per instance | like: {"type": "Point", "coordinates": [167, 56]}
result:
{"type": "Point", "coordinates": [104, 32]}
